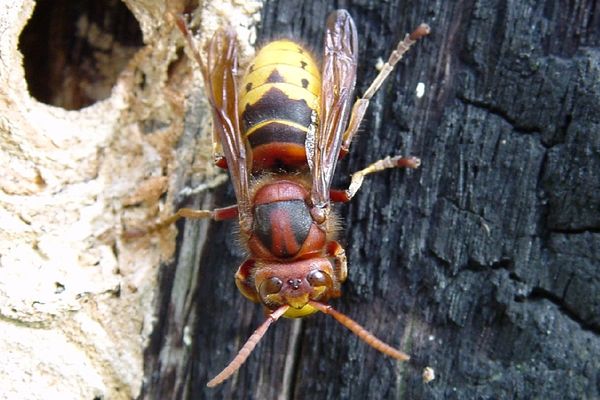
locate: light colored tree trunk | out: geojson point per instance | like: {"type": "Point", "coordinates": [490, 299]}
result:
{"type": "Point", "coordinates": [77, 302]}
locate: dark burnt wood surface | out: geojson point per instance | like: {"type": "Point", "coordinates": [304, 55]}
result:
{"type": "Point", "coordinates": [483, 264]}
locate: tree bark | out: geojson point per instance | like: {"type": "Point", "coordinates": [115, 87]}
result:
{"type": "Point", "coordinates": [91, 145]}
{"type": "Point", "coordinates": [482, 264]}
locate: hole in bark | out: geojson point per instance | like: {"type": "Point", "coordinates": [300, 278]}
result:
{"type": "Point", "coordinates": [73, 51]}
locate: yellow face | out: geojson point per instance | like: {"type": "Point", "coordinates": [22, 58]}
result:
{"type": "Point", "coordinates": [299, 313]}
{"type": "Point", "coordinates": [295, 285]}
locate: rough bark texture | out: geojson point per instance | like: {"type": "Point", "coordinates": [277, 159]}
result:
{"type": "Point", "coordinates": [483, 264]}
{"type": "Point", "coordinates": [91, 138]}
{"type": "Point", "coordinates": [64, 288]}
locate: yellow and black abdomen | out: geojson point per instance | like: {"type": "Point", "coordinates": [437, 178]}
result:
{"type": "Point", "coordinates": [278, 103]}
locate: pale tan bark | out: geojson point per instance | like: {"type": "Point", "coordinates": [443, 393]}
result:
{"type": "Point", "coordinates": [76, 301]}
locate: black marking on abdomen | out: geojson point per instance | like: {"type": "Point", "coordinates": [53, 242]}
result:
{"type": "Point", "coordinates": [277, 132]}
{"type": "Point", "coordinates": [274, 77]}
{"type": "Point", "coordinates": [275, 104]}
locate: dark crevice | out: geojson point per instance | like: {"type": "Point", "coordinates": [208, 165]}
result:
{"type": "Point", "coordinates": [73, 51]}
{"type": "Point", "coordinates": [475, 266]}
{"type": "Point", "coordinates": [538, 293]}
{"type": "Point", "coordinates": [499, 113]}
{"type": "Point", "coordinates": [514, 277]}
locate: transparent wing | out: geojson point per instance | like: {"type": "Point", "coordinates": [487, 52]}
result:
{"type": "Point", "coordinates": [219, 72]}
{"type": "Point", "coordinates": [339, 77]}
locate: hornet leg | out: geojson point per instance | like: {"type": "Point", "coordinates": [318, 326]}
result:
{"type": "Point", "coordinates": [379, 165]}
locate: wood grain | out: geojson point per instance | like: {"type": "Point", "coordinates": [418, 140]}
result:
{"type": "Point", "coordinates": [482, 264]}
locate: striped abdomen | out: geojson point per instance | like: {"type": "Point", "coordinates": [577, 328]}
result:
{"type": "Point", "coordinates": [278, 103]}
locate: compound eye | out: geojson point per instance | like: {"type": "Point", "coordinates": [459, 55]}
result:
{"type": "Point", "coordinates": [270, 286]}
{"type": "Point", "coordinates": [318, 278]}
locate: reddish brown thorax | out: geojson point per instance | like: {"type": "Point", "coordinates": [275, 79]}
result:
{"type": "Point", "coordinates": [283, 228]}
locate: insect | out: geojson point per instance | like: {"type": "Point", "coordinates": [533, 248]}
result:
{"type": "Point", "coordinates": [280, 131]}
